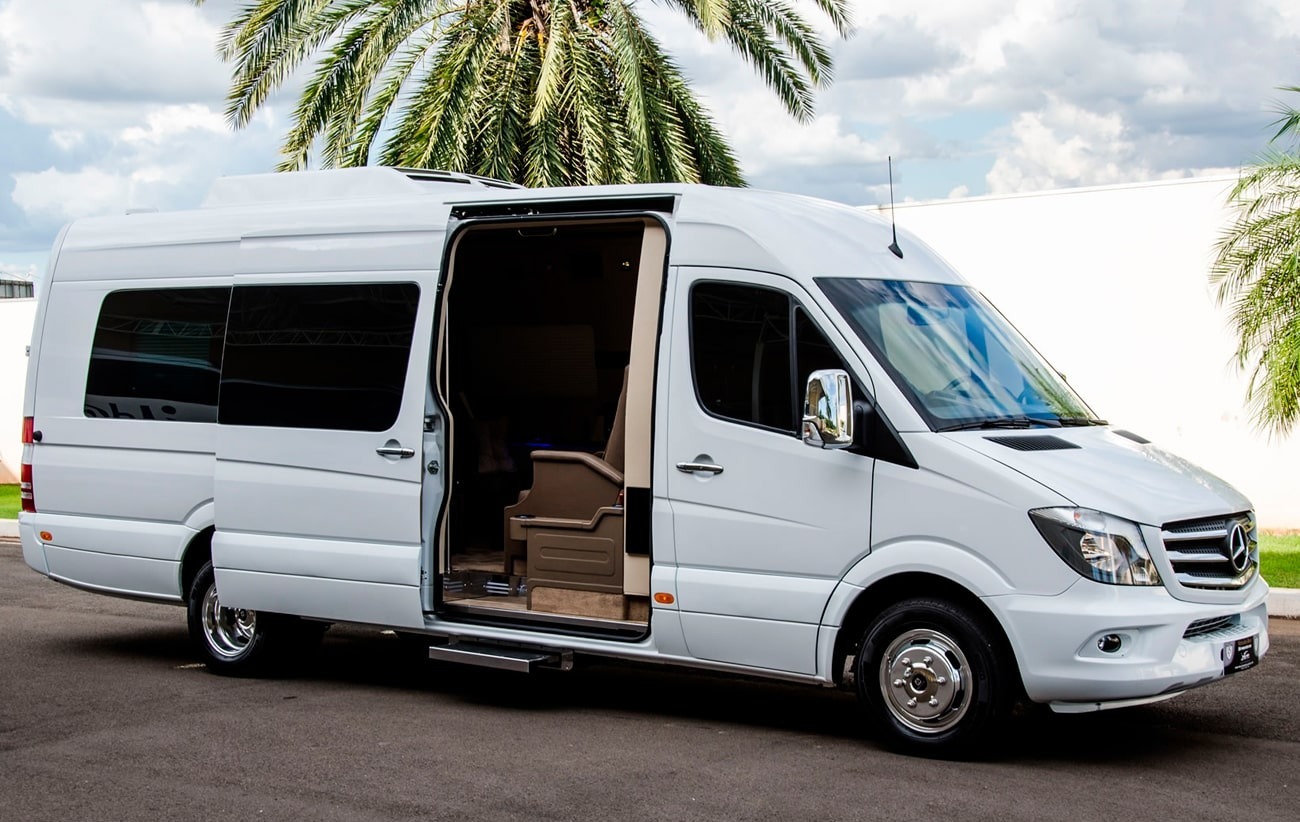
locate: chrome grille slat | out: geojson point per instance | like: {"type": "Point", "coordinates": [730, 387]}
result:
{"type": "Point", "coordinates": [1203, 627]}
{"type": "Point", "coordinates": [1188, 536]}
{"type": "Point", "coordinates": [1214, 580]}
{"type": "Point", "coordinates": [1204, 556]}
{"type": "Point", "coordinates": [1235, 630]}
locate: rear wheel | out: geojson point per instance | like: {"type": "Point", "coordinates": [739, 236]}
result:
{"type": "Point", "coordinates": [241, 642]}
{"type": "Point", "coordinates": [934, 676]}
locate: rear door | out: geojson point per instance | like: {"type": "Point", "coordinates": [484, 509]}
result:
{"type": "Point", "coordinates": [319, 452]}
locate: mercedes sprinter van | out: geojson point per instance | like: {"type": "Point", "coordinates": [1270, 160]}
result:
{"type": "Point", "coordinates": [720, 428]}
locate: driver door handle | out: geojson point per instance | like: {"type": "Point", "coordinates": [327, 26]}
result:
{"type": "Point", "coordinates": [694, 467]}
{"type": "Point", "coordinates": [395, 451]}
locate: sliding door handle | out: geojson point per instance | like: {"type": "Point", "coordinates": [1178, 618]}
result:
{"type": "Point", "coordinates": [393, 448]}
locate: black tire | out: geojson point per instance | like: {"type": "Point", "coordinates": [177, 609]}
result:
{"type": "Point", "coordinates": [239, 642]}
{"type": "Point", "coordinates": [935, 678]}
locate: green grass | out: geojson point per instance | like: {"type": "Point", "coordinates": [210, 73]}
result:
{"type": "Point", "coordinates": [1279, 559]}
{"type": "Point", "coordinates": [8, 502]}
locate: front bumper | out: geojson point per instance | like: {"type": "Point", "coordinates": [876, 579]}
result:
{"type": "Point", "coordinates": [1055, 640]}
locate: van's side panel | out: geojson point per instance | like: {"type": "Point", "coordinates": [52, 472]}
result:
{"type": "Point", "coordinates": [116, 493]}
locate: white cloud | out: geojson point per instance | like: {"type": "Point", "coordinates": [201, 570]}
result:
{"type": "Point", "coordinates": [1065, 145]}
{"type": "Point", "coordinates": [69, 195]}
{"type": "Point", "coordinates": [765, 137]}
{"type": "Point", "coordinates": [60, 50]}
{"type": "Point", "coordinates": [165, 124]}
{"type": "Point", "coordinates": [18, 272]}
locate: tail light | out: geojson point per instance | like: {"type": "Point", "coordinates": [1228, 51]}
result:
{"type": "Point", "coordinates": [26, 495]}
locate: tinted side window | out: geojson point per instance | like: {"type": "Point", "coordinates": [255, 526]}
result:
{"type": "Point", "coordinates": [813, 351]}
{"type": "Point", "coordinates": [157, 355]}
{"type": "Point", "coordinates": [740, 352]}
{"type": "Point", "coordinates": [317, 356]}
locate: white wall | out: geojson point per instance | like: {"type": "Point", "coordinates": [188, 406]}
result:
{"type": "Point", "coordinates": [16, 318]}
{"type": "Point", "coordinates": [1112, 286]}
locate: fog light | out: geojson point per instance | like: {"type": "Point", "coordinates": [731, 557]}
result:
{"type": "Point", "coordinates": [1109, 644]}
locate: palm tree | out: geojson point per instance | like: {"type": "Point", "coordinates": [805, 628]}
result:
{"type": "Point", "coordinates": [542, 92]}
{"type": "Point", "coordinates": [1257, 269]}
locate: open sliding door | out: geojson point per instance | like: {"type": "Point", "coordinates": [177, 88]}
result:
{"type": "Point", "coordinates": [319, 455]}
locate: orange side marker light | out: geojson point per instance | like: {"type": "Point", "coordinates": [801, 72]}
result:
{"type": "Point", "coordinates": [664, 599]}
{"type": "Point", "coordinates": [46, 536]}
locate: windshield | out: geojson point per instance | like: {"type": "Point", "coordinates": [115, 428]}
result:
{"type": "Point", "coordinates": [959, 361]}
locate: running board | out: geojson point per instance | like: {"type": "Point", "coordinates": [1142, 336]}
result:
{"type": "Point", "coordinates": [523, 660]}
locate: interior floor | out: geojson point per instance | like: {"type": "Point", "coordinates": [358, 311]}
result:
{"type": "Point", "coordinates": [537, 347]}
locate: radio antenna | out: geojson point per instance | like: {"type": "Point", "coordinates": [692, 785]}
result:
{"type": "Point", "coordinates": [898, 252]}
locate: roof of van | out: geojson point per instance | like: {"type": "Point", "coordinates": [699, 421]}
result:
{"type": "Point", "coordinates": [711, 226]}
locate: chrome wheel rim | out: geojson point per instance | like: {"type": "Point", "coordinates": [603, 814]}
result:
{"type": "Point", "coordinates": [229, 631]}
{"type": "Point", "coordinates": [924, 678]}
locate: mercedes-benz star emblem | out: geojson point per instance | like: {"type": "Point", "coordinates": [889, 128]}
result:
{"type": "Point", "coordinates": [1237, 547]}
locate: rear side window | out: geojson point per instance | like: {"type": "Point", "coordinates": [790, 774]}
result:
{"type": "Point", "coordinates": [317, 356]}
{"type": "Point", "coordinates": [157, 355]}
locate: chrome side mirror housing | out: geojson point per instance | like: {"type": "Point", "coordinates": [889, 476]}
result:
{"type": "Point", "coordinates": [828, 410]}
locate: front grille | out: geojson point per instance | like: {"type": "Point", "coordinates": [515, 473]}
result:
{"type": "Point", "coordinates": [1208, 626]}
{"type": "Point", "coordinates": [1203, 552]}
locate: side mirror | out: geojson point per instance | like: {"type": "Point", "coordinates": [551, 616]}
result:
{"type": "Point", "coordinates": [828, 410]}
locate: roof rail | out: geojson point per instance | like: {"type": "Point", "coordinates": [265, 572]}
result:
{"type": "Point", "coordinates": [336, 184]}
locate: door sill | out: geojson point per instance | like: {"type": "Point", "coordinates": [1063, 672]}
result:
{"type": "Point", "coordinates": [505, 616]}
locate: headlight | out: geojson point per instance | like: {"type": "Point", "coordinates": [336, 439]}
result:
{"type": "Point", "coordinates": [1098, 546]}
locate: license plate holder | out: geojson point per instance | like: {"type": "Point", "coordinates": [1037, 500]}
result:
{"type": "Point", "coordinates": [1241, 657]}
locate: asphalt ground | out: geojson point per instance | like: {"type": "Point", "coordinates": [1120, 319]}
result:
{"type": "Point", "coordinates": [105, 714]}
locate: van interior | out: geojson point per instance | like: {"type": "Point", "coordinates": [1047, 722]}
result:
{"type": "Point", "coordinates": [533, 368]}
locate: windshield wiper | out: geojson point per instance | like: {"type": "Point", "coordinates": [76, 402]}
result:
{"type": "Point", "coordinates": [1080, 421]}
{"type": "Point", "coordinates": [1000, 422]}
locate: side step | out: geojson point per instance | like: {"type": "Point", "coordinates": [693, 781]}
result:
{"type": "Point", "coordinates": [501, 657]}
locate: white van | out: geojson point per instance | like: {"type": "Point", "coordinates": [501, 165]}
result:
{"type": "Point", "coordinates": [721, 428]}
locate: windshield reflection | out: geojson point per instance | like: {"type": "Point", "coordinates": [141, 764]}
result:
{"type": "Point", "coordinates": [959, 361]}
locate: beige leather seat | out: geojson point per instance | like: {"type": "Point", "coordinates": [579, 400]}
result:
{"type": "Point", "coordinates": [571, 490]}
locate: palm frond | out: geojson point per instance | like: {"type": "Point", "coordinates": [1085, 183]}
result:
{"type": "Point", "coordinates": [1257, 271]}
{"type": "Point", "coordinates": [336, 96]}
{"type": "Point", "coordinates": [1289, 122]}
{"type": "Point", "coordinates": [545, 92]}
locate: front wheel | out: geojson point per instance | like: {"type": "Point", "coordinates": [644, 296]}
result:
{"type": "Point", "coordinates": [934, 676]}
{"type": "Point", "coordinates": [241, 642]}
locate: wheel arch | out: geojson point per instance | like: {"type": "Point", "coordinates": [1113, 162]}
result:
{"type": "Point", "coordinates": [197, 553]}
{"type": "Point", "coordinates": [871, 601]}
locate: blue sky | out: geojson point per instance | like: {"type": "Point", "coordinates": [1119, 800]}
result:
{"type": "Point", "coordinates": [107, 105]}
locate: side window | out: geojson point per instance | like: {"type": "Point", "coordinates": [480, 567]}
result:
{"type": "Point", "coordinates": [156, 355]}
{"type": "Point", "coordinates": [317, 356]}
{"type": "Point", "coordinates": [813, 352]}
{"type": "Point", "coordinates": [741, 354]}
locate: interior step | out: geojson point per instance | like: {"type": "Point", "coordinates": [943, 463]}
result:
{"type": "Point", "coordinates": [501, 657]}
